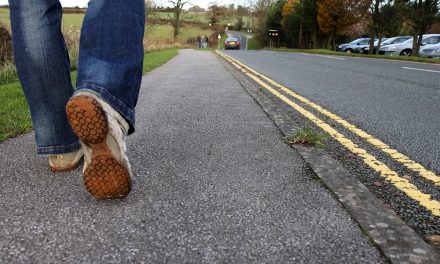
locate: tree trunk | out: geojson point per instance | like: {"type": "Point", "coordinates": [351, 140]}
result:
{"type": "Point", "coordinates": [314, 39]}
{"type": "Point", "coordinates": [334, 40]}
{"type": "Point", "coordinates": [176, 23]}
{"type": "Point", "coordinates": [379, 43]}
{"type": "Point", "coordinates": [415, 46]}
{"type": "Point", "coordinates": [329, 42]}
{"type": "Point", "coordinates": [372, 34]}
{"type": "Point", "coordinates": [418, 44]}
{"type": "Point", "coordinates": [300, 37]}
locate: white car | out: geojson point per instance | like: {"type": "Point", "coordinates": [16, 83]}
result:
{"type": "Point", "coordinates": [432, 51]}
{"type": "Point", "coordinates": [405, 48]}
{"type": "Point", "coordinates": [390, 41]}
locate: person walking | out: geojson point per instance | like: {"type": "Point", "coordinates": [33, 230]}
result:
{"type": "Point", "coordinates": [92, 120]}
{"type": "Point", "coordinates": [199, 42]}
{"type": "Point", "coordinates": [205, 41]}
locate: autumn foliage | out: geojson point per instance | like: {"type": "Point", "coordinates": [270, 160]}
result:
{"type": "Point", "coordinates": [322, 23]}
{"type": "Point", "coordinates": [336, 15]}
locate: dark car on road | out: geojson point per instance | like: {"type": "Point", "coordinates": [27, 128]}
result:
{"type": "Point", "coordinates": [232, 43]}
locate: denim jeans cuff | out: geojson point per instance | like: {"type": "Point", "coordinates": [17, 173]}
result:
{"type": "Point", "coordinates": [115, 102]}
{"type": "Point", "coordinates": [52, 150]}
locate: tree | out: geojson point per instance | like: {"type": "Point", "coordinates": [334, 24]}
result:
{"type": "Point", "coordinates": [274, 19]}
{"type": "Point", "coordinates": [216, 12]}
{"type": "Point", "coordinates": [292, 20]}
{"type": "Point", "coordinates": [240, 13]}
{"type": "Point", "coordinates": [376, 21]}
{"type": "Point", "coordinates": [310, 20]}
{"type": "Point", "coordinates": [261, 13]}
{"type": "Point", "coordinates": [336, 15]}
{"type": "Point", "coordinates": [177, 7]}
{"type": "Point", "coordinates": [420, 15]}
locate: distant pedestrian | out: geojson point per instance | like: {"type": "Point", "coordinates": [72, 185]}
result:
{"type": "Point", "coordinates": [93, 119]}
{"type": "Point", "coordinates": [199, 42]}
{"type": "Point", "coordinates": [205, 41]}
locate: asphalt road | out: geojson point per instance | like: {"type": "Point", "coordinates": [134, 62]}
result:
{"type": "Point", "coordinates": [242, 38]}
{"type": "Point", "coordinates": [397, 102]}
{"type": "Point", "coordinates": [215, 184]}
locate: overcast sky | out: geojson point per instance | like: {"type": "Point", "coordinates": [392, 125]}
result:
{"type": "Point", "coordinates": [201, 3]}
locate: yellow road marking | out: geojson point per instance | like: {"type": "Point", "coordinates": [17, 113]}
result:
{"type": "Point", "coordinates": [393, 153]}
{"type": "Point", "coordinates": [401, 183]}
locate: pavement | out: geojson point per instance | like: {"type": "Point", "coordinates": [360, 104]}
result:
{"type": "Point", "coordinates": [215, 183]}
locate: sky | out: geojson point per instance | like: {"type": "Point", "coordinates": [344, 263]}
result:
{"type": "Point", "coordinates": [201, 3]}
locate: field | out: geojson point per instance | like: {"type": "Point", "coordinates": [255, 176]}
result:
{"type": "Point", "coordinates": [159, 42]}
{"type": "Point", "coordinates": [157, 36]}
{"type": "Point", "coordinates": [14, 113]}
{"type": "Point", "coordinates": [163, 35]}
{"type": "Point", "coordinates": [195, 17]}
{"type": "Point", "coordinates": [70, 21]}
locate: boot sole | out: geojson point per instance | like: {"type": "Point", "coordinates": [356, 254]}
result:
{"type": "Point", "coordinates": [105, 177]}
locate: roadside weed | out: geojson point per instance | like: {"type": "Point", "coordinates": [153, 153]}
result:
{"type": "Point", "coordinates": [306, 136]}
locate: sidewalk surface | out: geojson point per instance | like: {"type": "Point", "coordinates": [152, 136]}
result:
{"type": "Point", "coordinates": [215, 183]}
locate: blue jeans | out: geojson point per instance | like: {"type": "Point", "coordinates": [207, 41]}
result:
{"type": "Point", "coordinates": [110, 63]}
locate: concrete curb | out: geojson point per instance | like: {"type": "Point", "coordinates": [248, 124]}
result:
{"type": "Point", "coordinates": [398, 242]}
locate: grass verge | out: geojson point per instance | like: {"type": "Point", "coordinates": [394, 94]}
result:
{"type": "Point", "coordinates": [15, 118]}
{"type": "Point", "coordinates": [154, 59]}
{"type": "Point", "coordinates": [306, 136]}
{"type": "Point", "coordinates": [357, 55]}
{"type": "Point", "coordinates": [253, 44]}
{"type": "Point", "coordinates": [14, 114]}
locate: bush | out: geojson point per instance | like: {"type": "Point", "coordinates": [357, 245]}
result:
{"type": "Point", "coordinates": [5, 45]}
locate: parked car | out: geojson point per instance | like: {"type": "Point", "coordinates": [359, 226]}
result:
{"type": "Point", "coordinates": [388, 41]}
{"type": "Point", "coordinates": [232, 43]}
{"type": "Point", "coordinates": [360, 48]}
{"type": "Point", "coordinates": [432, 51]}
{"type": "Point", "coordinates": [366, 48]}
{"type": "Point", "coordinates": [405, 48]}
{"type": "Point", "coordinates": [349, 47]}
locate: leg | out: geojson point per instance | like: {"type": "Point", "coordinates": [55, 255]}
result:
{"type": "Point", "coordinates": [44, 70]}
{"type": "Point", "coordinates": [109, 78]}
{"type": "Point", "coordinates": [111, 53]}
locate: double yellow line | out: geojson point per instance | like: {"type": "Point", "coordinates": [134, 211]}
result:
{"type": "Point", "coordinates": [391, 176]}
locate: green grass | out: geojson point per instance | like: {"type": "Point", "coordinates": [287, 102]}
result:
{"type": "Point", "coordinates": [306, 136]}
{"type": "Point", "coordinates": [157, 32]}
{"type": "Point", "coordinates": [8, 74]}
{"type": "Point", "coordinates": [155, 59]}
{"type": "Point", "coordinates": [197, 17]}
{"type": "Point", "coordinates": [357, 55]}
{"type": "Point", "coordinates": [253, 44]}
{"type": "Point", "coordinates": [14, 113]}
{"type": "Point", "coordinates": [70, 21]}
{"type": "Point", "coordinates": [222, 41]}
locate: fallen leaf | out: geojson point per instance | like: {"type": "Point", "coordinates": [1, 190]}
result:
{"type": "Point", "coordinates": [377, 184]}
{"type": "Point", "coordinates": [434, 239]}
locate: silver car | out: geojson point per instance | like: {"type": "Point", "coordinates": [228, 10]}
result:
{"type": "Point", "coordinates": [433, 51]}
{"type": "Point", "coordinates": [405, 48]}
{"type": "Point", "coordinates": [359, 48]}
{"type": "Point", "coordinates": [385, 42]}
{"type": "Point", "coordinates": [349, 47]}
